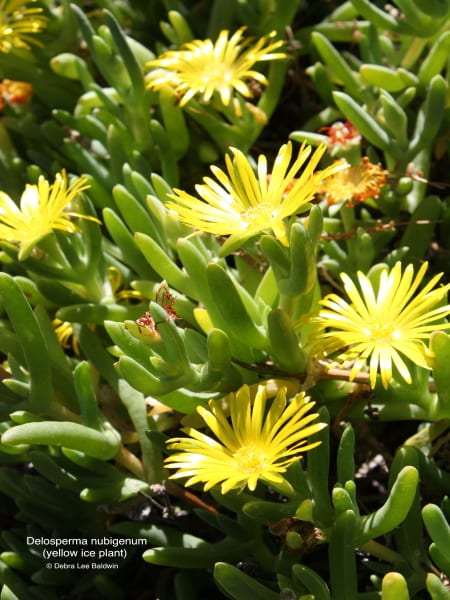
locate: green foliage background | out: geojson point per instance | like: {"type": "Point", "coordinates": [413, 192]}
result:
{"type": "Point", "coordinates": [80, 455]}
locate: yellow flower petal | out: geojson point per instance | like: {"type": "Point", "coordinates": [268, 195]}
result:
{"type": "Point", "coordinates": [382, 327]}
{"type": "Point", "coordinates": [42, 209]}
{"type": "Point", "coordinates": [252, 444]}
{"type": "Point", "coordinates": [243, 204]}
{"type": "Point", "coordinates": [17, 22]}
{"type": "Point", "coordinates": [205, 69]}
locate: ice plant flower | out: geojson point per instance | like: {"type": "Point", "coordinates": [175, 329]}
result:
{"type": "Point", "coordinates": [254, 443]}
{"type": "Point", "coordinates": [120, 292]}
{"type": "Point", "coordinates": [383, 323]}
{"type": "Point", "coordinates": [203, 67]}
{"type": "Point", "coordinates": [355, 183]}
{"type": "Point", "coordinates": [243, 203]}
{"type": "Point", "coordinates": [42, 209]}
{"type": "Point", "coordinates": [342, 134]}
{"type": "Point", "coordinates": [17, 22]}
{"type": "Point", "coordinates": [14, 92]}
{"type": "Point", "coordinates": [66, 336]}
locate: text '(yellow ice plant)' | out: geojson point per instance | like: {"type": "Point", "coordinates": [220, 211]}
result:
{"type": "Point", "coordinates": [202, 67]}
{"type": "Point", "coordinates": [252, 444]}
{"type": "Point", "coordinates": [17, 22]}
{"type": "Point", "coordinates": [384, 322]}
{"type": "Point", "coordinates": [42, 209]}
{"type": "Point", "coordinates": [242, 203]}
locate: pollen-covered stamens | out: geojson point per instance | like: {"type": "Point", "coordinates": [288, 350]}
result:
{"type": "Point", "coordinates": [250, 459]}
{"type": "Point", "coordinates": [354, 184]}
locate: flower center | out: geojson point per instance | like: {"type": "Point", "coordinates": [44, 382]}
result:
{"type": "Point", "coordinates": [250, 459]}
{"type": "Point", "coordinates": [355, 183]}
{"type": "Point", "coordinates": [383, 333]}
{"type": "Point", "coordinates": [261, 215]}
{"type": "Point", "coordinates": [215, 73]}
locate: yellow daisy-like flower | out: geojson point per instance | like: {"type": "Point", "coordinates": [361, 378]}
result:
{"type": "Point", "coordinates": [41, 210]}
{"type": "Point", "coordinates": [66, 336]}
{"type": "Point", "coordinates": [252, 444]}
{"type": "Point", "coordinates": [355, 183]}
{"type": "Point", "coordinates": [202, 67]}
{"type": "Point", "coordinates": [17, 22]}
{"type": "Point", "coordinates": [383, 324]}
{"type": "Point", "coordinates": [119, 291]}
{"type": "Point", "coordinates": [244, 203]}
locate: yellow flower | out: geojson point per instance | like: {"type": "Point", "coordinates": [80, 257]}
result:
{"type": "Point", "coordinates": [245, 203]}
{"type": "Point", "coordinates": [66, 336]}
{"type": "Point", "coordinates": [384, 322]}
{"type": "Point", "coordinates": [253, 444]}
{"type": "Point", "coordinates": [41, 210]}
{"type": "Point", "coordinates": [120, 292]}
{"type": "Point", "coordinates": [202, 67]}
{"type": "Point", "coordinates": [17, 22]}
{"type": "Point", "coordinates": [355, 183]}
